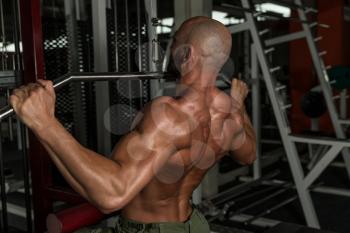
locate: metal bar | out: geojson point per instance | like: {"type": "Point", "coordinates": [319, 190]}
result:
{"type": "Point", "coordinates": [282, 3]}
{"type": "Point", "coordinates": [128, 55]}
{"type": "Point", "coordinates": [314, 188]}
{"type": "Point", "coordinates": [323, 79]}
{"type": "Point", "coordinates": [99, 29]}
{"type": "Point", "coordinates": [239, 27]}
{"type": "Point", "coordinates": [344, 122]}
{"type": "Point", "coordinates": [26, 177]}
{"type": "Point", "coordinates": [16, 210]}
{"type": "Point", "coordinates": [10, 120]}
{"type": "Point", "coordinates": [256, 111]}
{"type": "Point", "coordinates": [320, 140]}
{"type": "Point", "coordinates": [317, 155]}
{"type": "Point", "coordinates": [343, 104]}
{"type": "Point", "coordinates": [260, 201]}
{"type": "Point", "coordinates": [116, 34]}
{"type": "Point", "coordinates": [322, 165]}
{"type": "Point", "coordinates": [268, 211]}
{"type": "Point", "coordinates": [239, 189]}
{"type": "Point", "coordinates": [235, 201]}
{"type": "Point", "coordinates": [282, 122]}
{"type": "Point", "coordinates": [3, 191]}
{"type": "Point", "coordinates": [332, 191]}
{"type": "Point", "coordinates": [93, 77]}
{"type": "Point", "coordinates": [167, 55]}
{"type": "Point", "coordinates": [263, 14]}
{"type": "Point", "coordinates": [285, 38]}
{"type": "Point", "coordinates": [16, 36]}
{"type": "Point", "coordinates": [139, 49]}
{"type": "Point", "coordinates": [260, 222]}
{"type": "Point", "coordinates": [139, 45]}
{"type": "Point", "coordinates": [33, 61]}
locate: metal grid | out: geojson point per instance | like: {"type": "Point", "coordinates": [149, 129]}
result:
{"type": "Point", "coordinates": [74, 104]}
{"type": "Point", "coordinates": [127, 40]}
{"type": "Point", "coordinates": [56, 57]}
{"type": "Point", "coordinates": [84, 102]}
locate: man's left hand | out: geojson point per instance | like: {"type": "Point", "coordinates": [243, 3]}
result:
{"type": "Point", "coordinates": [34, 104]}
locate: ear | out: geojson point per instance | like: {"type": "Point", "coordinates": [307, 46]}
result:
{"type": "Point", "coordinates": [185, 58]}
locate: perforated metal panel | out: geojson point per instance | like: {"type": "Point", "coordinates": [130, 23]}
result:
{"type": "Point", "coordinates": [68, 48]}
{"type": "Point", "coordinates": [128, 39]}
{"type": "Point", "coordinates": [56, 57]}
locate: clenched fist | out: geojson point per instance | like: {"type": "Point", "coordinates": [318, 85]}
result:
{"type": "Point", "coordinates": [34, 104]}
{"type": "Point", "coordinates": [239, 92]}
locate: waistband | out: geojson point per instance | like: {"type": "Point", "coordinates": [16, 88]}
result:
{"type": "Point", "coordinates": [127, 223]}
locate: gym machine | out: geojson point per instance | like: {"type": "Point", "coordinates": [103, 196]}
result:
{"type": "Point", "coordinates": [261, 48]}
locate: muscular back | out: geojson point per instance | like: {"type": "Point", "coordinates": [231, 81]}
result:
{"type": "Point", "coordinates": [166, 197]}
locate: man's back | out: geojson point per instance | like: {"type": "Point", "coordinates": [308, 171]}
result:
{"type": "Point", "coordinates": [156, 167]}
{"type": "Point", "coordinates": [166, 198]}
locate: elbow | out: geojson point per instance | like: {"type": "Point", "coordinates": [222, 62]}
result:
{"type": "Point", "coordinates": [111, 199]}
{"type": "Point", "coordinates": [108, 205]}
{"type": "Point", "coordinates": [250, 158]}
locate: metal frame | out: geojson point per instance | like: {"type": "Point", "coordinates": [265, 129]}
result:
{"type": "Point", "coordinates": [259, 54]}
{"type": "Point", "coordinates": [323, 78]}
{"type": "Point", "coordinates": [60, 83]}
{"type": "Point", "coordinates": [93, 77]}
{"type": "Point", "coordinates": [104, 143]}
{"type": "Point", "coordinates": [30, 28]}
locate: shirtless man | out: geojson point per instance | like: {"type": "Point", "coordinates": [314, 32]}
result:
{"type": "Point", "coordinates": [155, 168]}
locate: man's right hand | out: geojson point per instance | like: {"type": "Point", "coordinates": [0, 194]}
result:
{"type": "Point", "coordinates": [239, 92]}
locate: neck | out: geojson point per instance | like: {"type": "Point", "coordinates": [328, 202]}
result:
{"type": "Point", "coordinates": [196, 84]}
{"type": "Point", "coordinates": [199, 80]}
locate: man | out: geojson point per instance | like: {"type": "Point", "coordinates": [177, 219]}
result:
{"type": "Point", "coordinates": [155, 168]}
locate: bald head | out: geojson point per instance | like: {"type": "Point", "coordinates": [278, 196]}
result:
{"type": "Point", "coordinates": [206, 40]}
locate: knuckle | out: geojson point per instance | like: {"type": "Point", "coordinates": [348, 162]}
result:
{"type": "Point", "coordinates": [33, 93]}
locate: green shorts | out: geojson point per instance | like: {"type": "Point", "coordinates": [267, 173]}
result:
{"type": "Point", "coordinates": [196, 224]}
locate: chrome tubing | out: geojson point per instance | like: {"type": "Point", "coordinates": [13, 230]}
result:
{"type": "Point", "coordinates": [93, 77]}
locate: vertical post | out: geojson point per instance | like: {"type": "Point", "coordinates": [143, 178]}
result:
{"type": "Point", "coordinates": [115, 7]}
{"type": "Point", "coordinates": [128, 54]}
{"type": "Point", "coordinates": [101, 65]}
{"type": "Point", "coordinates": [4, 222]}
{"type": "Point", "coordinates": [151, 10]}
{"type": "Point", "coordinates": [256, 111]}
{"type": "Point", "coordinates": [291, 151]}
{"type": "Point", "coordinates": [139, 49]}
{"type": "Point", "coordinates": [343, 104]}
{"type": "Point", "coordinates": [139, 44]}
{"type": "Point", "coordinates": [33, 69]}
{"type": "Point", "coordinates": [26, 173]}
{"type": "Point", "coordinates": [326, 88]}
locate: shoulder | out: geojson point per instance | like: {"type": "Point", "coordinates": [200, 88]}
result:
{"type": "Point", "coordinates": [162, 117]}
{"type": "Point", "coordinates": [221, 101]}
{"type": "Point", "coordinates": [164, 108]}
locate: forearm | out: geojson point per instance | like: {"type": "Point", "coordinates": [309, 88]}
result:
{"type": "Point", "coordinates": [89, 174]}
{"type": "Point", "coordinates": [246, 152]}
{"type": "Point", "coordinates": [66, 174]}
